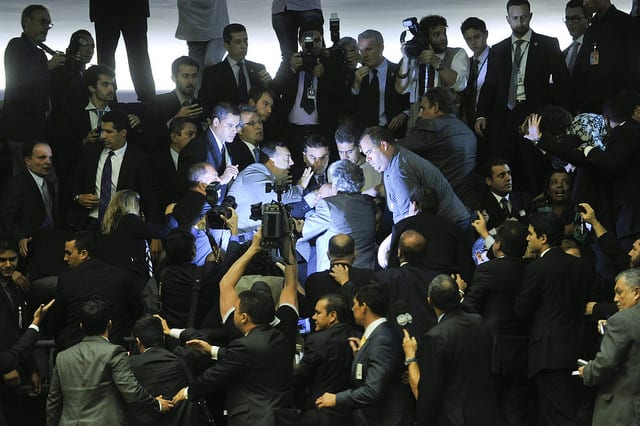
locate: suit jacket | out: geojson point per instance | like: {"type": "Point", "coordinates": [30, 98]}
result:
{"type": "Point", "coordinates": [615, 370]}
{"type": "Point", "coordinates": [13, 357]}
{"type": "Point", "coordinates": [455, 366]}
{"type": "Point", "coordinates": [24, 213]}
{"type": "Point", "coordinates": [520, 207]}
{"type": "Point", "coordinates": [544, 62]}
{"type": "Point", "coordinates": [552, 300]}
{"type": "Point", "coordinates": [90, 384]}
{"type": "Point", "coordinates": [93, 278]}
{"type": "Point", "coordinates": [325, 367]}
{"type": "Point", "coordinates": [135, 174]}
{"type": "Point", "coordinates": [201, 149]}
{"type": "Point", "coordinates": [352, 214]}
{"type": "Point", "coordinates": [377, 396]}
{"type": "Point", "coordinates": [492, 294]}
{"type": "Point", "coordinates": [219, 83]}
{"type": "Point", "coordinates": [394, 104]}
{"type": "Point", "coordinates": [166, 175]}
{"type": "Point", "coordinates": [256, 371]}
{"type": "Point", "coordinates": [240, 153]}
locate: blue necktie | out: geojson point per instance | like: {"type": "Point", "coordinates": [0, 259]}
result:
{"type": "Point", "coordinates": [105, 186]}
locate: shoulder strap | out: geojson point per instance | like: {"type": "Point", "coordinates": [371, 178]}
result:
{"type": "Point", "coordinates": [195, 295]}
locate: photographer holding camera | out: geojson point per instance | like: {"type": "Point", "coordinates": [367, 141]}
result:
{"type": "Point", "coordinates": [436, 65]}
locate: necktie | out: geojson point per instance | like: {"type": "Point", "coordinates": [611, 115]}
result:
{"type": "Point", "coordinates": [504, 203]}
{"type": "Point", "coordinates": [571, 56]}
{"type": "Point", "coordinates": [374, 99]}
{"type": "Point", "coordinates": [186, 103]}
{"type": "Point", "coordinates": [513, 85]}
{"type": "Point", "coordinates": [100, 113]}
{"type": "Point", "coordinates": [472, 92]}
{"type": "Point", "coordinates": [242, 84]}
{"type": "Point", "coordinates": [306, 100]}
{"type": "Point", "coordinates": [431, 76]}
{"type": "Point", "coordinates": [48, 205]}
{"type": "Point", "coordinates": [223, 161]}
{"type": "Point", "coordinates": [321, 179]}
{"type": "Point", "coordinates": [363, 339]}
{"type": "Point", "coordinates": [105, 186]}
{"type": "Point", "coordinates": [256, 154]}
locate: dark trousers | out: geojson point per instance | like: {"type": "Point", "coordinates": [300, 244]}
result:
{"type": "Point", "coordinates": [512, 394]}
{"type": "Point", "coordinates": [134, 32]}
{"type": "Point", "coordinates": [556, 402]}
{"type": "Point", "coordinates": [286, 25]}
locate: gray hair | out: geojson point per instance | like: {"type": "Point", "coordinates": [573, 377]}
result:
{"type": "Point", "coordinates": [372, 35]}
{"type": "Point", "coordinates": [631, 277]}
{"type": "Point", "coordinates": [346, 176]}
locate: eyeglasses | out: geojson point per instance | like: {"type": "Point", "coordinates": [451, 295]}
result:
{"type": "Point", "coordinates": [45, 23]}
{"type": "Point", "coordinates": [251, 123]}
{"type": "Point", "coordinates": [573, 18]}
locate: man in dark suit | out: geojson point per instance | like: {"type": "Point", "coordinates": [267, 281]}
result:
{"type": "Point", "coordinates": [577, 21]}
{"type": "Point", "coordinates": [92, 382]}
{"type": "Point", "coordinates": [128, 17]}
{"type": "Point", "coordinates": [256, 369]}
{"type": "Point", "coordinates": [87, 278]}
{"type": "Point", "coordinates": [231, 79]}
{"type": "Point", "coordinates": [326, 363]}
{"type": "Point", "coordinates": [245, 148]}
{"type": "Point", "coordinates": [552, 299]}
{"type": "Point", "coordinates": [492, 294]}
{"type": "Point", "coordinates": [110, 166]}
{"type": "Point", "coordinates": [373, 100]}
{"type": "Point", "coordinates": [209, 147]}
{"type": "Point", "coordinates": [475, 34]}
{"type": "Point", "coordinates": [377, 394]}
{"type": "Point", "coordinates": [519, 72]}
{"type": "Point", "coordinates": [30, 199]}
{"type": "Point", "coordinates": [454, 364]}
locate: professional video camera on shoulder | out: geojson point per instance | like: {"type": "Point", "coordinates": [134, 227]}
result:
{"type": "Point", "coordinates": [224, 209]}
{"type": "Point", "coordinates": [418, 43]}
{"type": "Point", "coordinates": [277, 223]}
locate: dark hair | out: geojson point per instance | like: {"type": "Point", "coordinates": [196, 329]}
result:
{"type": "Point", "coordinates": [94, 316]}
{"type": "Point", "coordinates": [518, 3]}
{"type": "Point", "coordinates": [91, 75]}
{"type": "Point", "coordinates": [444, 292]}
{"type": "Point", "coordinates": [512, 236]}
{"type": "Point", "coordinates": [85, 240]}
{"type": "Point", "coordinates": [377, 134]}
{"type": "Point", "coordinates": [180, 246]}
{"type": "Point", "coordinates": [258, 90]}
{"type": "Point", "coordinates": [268, 150]}
{"type": "Point", "coordinates": [258, 305]}
{"type": "Point", "coordinates": [337, 304]}
{"type": "Point", "coordinates": [232, 28]}
{"type": "Point", "coordinates": [247, 108]}
{"type": "Point", "coordinates": [487, 167]}
{"type": "Point", "coordinates": [27, 148]}
{"type": "Point", "coordinates": [555, 120]}
{"type": "Point", "coordinates": [549, 224]}
{"type": "Point", "coordinates": [341, 245]}
{"type": "Point", "coordinates": [412, 246]}
{"type": "Point", "coordinates": [425, 199]}
{"type": "Point", "coordinates": [120, 119]}
{"type": "Point", "coordinates": [177, 124]}
{"type": "Point", "coordinates": [473, 23]}
{"type": "Point", "coordinates": [442, 97]}
{"type": "Point", "coordinates": [376, 297]}
{"type": "Point", "coordinates": [222, 109]}
{"type": "Point", "coordinates": [28, 12]}
{"type": "Point", "coordinates": [620, 107]}
{"type": "Point", "coordinates": [149, 330]}
{"type": "Point", "coordinates": [575, 4]}
{"type": "Point", "coordinates": [315, 140]}
{"type": "Point", "coordinates": [431, 21]}
{"type": "Point", "coordinates": [348, 133]}
{"type": "Point", "coordinates": [7, 244]}
{"type": "Point", "coordinates": [183, 60]}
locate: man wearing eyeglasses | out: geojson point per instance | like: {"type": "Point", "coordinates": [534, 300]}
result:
{"type": "Point", "coordinates": [245, 148]}
{"type": "Point", "coordinates": [577, 22]}
{"type": "Point", "coordinates": [28, 77]}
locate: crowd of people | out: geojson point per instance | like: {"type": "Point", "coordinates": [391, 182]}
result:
{"type": "Point", "coordinates": [449, 240]}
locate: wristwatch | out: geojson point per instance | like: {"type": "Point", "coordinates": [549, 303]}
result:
{"type": "Point", "coordinates": [408, 361]}
{"type": "Point", "coordinates": [76, 198]}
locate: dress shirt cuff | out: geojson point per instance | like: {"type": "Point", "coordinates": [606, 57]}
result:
{"type": "Point", "coordinates": [35, 327]}
{"type": "Point", "coordinates": [587, 150]}
{"type": "Point", "coordinates": [226, 316]}
{"type": "Point", "coordinates": [176, 332]}
{"type": "Point", "coordinates": [488, 242]}
{"type": "Point", "coordinates": [186, 393]}
{"type": "Point", "coordinates": [310, 199]}
{"type": "Point", "coordinates": [355, 92]}
{"type": "Point", "coordinates": [214, 352]}
{"type": "Point", "coordinates": [234, 238]}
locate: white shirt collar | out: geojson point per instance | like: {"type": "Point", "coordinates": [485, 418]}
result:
{"type": "Point", "coordinates": [371, 328]}
{"type": "Point", "coordinates": [39, 179]}
{"type": "Point", "coordinates": [118, 152]}
{"type": "Point", "coordinates": [440, 317]}
{"type": "Point", "coordinates": [526, 37]}
{"type": "Point", "coordinates": [545, 252]}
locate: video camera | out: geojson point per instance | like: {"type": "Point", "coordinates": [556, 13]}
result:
{"type": "Point", "coordinates": [418, 43]}
{"type": "Point", "coordinates": [224, 209]}
{"type": "Point", "coordinates": [277, 223]}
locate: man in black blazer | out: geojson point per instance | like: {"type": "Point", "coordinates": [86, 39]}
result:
{"type": "Point", "coordinates": [326, 363]}
{"type": "Point", "coordinates": [377, 394]}
{"type": "Point", "coordinates": [245, 148]}
{"type": "Point", "coordinates": [517, 85]}
{"type": "Point", "coordinates": [223, 82]}
{"type": "Point", "coordinates": [129, 170]}
{"type": "Point", "coordinates": [377, 104]}
{"type": "Point", "coordinates": [492, 294]}
{"type": "Point", "coordinates": [454, 364]}
{"type": "Point", "coordinates": [552, 299]}
{"type": "Point", "coordinates": [256, 369]}
{"type": "Point", "coordinates": [86, 279]}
